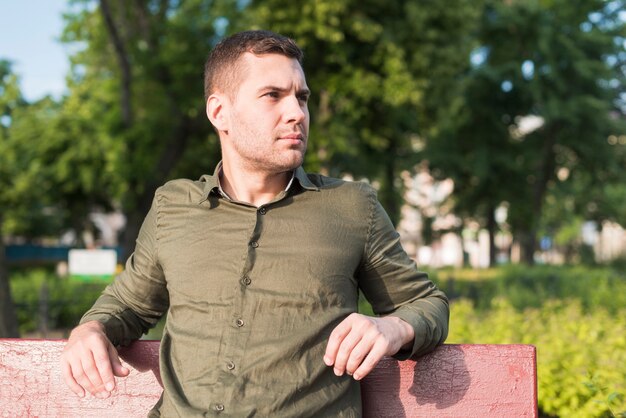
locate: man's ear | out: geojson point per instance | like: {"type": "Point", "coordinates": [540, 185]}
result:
{"type": "Point", "coordinates": [217, 111]}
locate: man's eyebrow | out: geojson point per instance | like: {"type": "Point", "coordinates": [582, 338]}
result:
{"type": "Point", "coordinates": [283, 89]}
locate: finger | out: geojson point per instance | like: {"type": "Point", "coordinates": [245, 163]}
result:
{"type": "Point", "coordinates": [371, 360]}
{"type": "Point", "coordinates": [358, 353]}
{"type": "Point", "coordinates": [66, 370]}
{"type": "Point", "coordinates": [345, 350]}
{"type": "Point", "coordinates": [80, 375]}
{"type": "Point", "coordinates": [118, 369]}
{"type": "Point", "coordinates": [335, 340]}
{"type": "Point", "coordinates": [102, 360]}
{"type": "Point", "coordinates": [89, 379]}
{"type": "Point", "coordinates": [97, 368]}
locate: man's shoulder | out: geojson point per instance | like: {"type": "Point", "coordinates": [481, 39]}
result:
{"type": "Point", "coordinates": [347, 189]}
{"type": "Point", "coordinates": [329, 183]}
{"type": "Point", "coordinates": [183, 190]}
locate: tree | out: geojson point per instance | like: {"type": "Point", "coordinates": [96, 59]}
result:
{"type": "Point", "coordinates": [139, 83]}
{"type": "Point", "coordinates": [32, 184]}
{"type": "Point", "coordinates": [10, 98]}
{"type": "Point", "coordinates": [23, 181]}
{"type": "Point", "coordinates": [381, 73]}
{"type": "Point", "coordinates": [549, 60]}
{"type": "Point", "coordinates": [567, 91]}
{"type": "Point", "coordinates": [596, 194]}
{"type": "Point", "coordinates": [475, 151]}
{"type": "Point", "coordinates": [138, 88]}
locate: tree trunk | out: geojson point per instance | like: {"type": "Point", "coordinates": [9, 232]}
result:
{"type": "Point", "coordinates": [139, 204]}
{"type": "Point", "coordinates": [129, 235]}
{"type": "Point", "coordinates": [8, 318]}
{"type": "Point", "coordinates": [528, 246]}
{"type": "Point", "coordinates": [492, 227]}
{"type": "Point", "coordinates": [171, 153]}
{"type": "Point", "coordinates": [544, 173]}
{"type": "Point", "coordinates": [388, 195]}
{"type": "Point", "coordinates": [123, 61]}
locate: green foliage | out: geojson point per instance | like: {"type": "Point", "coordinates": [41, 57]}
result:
{"type": "Point", "coordinates": [524, 287]}
{"type": "Point", "coordinates": [581, 356]}
{"type": "Point", "coordinates": [575, 316]}
{"type": "Point", "coordinates": [67, 300]}
{"type": "Point", "coordinates": [135, 113]}
{"type": "Point", "coordinates": [51, 168]}
{"type": "Point", "coordinates": [382, 74]}
{"type": "Point", "coordinates": [390, 80]}
{"type": "Point", "coordinates": [561, 61]}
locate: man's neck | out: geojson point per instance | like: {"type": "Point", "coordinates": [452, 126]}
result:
{"type": "Point", "coordinates": [253, 187]}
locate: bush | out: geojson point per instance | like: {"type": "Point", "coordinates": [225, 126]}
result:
{"type": "Point", "coordinates": [581, 354]}
{"type": "Point", "coordinates": [575, 316]}
{"type": "Point", "coordinates": [527, 287]}
{"type": "Point", "coordinates": [67, 299]}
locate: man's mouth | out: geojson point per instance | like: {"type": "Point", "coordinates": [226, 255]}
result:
{"type": "Point", "coordinates": [293, 136]}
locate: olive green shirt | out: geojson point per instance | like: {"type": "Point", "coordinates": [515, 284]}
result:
{"type": "Point", "coordinates": [253, 293]}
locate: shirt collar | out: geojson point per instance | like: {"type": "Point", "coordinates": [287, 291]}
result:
{"type": "Point", "coordinates": [212, 183]}
{"type": "Point", "coordinates": [304, 181]}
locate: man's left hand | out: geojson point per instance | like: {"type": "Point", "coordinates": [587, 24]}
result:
{"type": "Point", "coordinates": [358, 343]}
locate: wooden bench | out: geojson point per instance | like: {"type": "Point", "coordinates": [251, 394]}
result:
{"type": "Point", "coordinates": [453, 381]}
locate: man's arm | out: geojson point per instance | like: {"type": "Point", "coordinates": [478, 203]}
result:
{"type": "Point", "coordinates": [413, 312]}
{"type": "Point", "coordinates": [127, 309]}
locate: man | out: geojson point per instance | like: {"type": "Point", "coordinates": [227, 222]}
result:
{"type": "Point", "coordinates": [258, 267]}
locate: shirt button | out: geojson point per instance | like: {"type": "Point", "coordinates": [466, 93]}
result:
{"type": "Point", "coordinates": [246, 280]}
{"type": "Point", "coordinates": [254, 244]}
{"type": "Point", "coordinates": [239, 322]}
{"type": "Point", "coordinates": [219, 407]}
{"type": "Point", "coordinates": [230, 365]}
{"type": "Point", "coordinates": [262, 211]}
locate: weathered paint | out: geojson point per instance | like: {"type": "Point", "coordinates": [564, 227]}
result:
{"type": "Point", "coordinates": [31, 384]}
{"type": "Point", "coordinates": [454, 381]}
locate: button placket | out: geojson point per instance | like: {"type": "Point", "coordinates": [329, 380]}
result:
{"type": "Point", "coordinates": [239, 330]}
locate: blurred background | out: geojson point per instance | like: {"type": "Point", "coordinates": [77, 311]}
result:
{"type": "Point", "coordinates": [493, 130]}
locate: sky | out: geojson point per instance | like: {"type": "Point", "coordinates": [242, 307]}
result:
{"type": "Point", "coordinates": [29, 33]}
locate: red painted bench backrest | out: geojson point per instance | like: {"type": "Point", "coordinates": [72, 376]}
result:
{"type": "Point", "coordinates": [453, 381]}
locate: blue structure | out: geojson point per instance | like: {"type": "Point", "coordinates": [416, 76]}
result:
{"type": "Point", "coordinates": [41, 254]}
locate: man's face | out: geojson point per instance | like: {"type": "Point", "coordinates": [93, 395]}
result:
{"type": "Point", "coordinates": [268, 117]}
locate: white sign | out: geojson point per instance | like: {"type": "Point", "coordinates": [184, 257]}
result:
{"type": "Point", "coordinates": [92, 262]}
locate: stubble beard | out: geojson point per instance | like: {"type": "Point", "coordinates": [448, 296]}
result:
{"type": "Point", "coordinates": [268, 154]}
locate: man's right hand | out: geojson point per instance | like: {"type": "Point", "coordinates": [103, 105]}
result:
{"type": "Point", "coordinates": [89, 361]}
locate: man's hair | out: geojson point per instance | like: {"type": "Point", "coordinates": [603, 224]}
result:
{"type": "Point", "coordinates": [222, 70]}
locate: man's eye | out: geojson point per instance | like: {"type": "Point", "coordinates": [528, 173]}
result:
{"type": "Point", "coordinates": [272, 94]}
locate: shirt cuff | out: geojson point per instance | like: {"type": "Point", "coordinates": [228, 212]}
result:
{"type": "Point", "coordinates": [114, 327]}
{"type": "Point", "coordinates": [427, 334]}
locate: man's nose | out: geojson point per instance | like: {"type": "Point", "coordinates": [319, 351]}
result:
{"type": "Point", "coordinates": [295, 110]}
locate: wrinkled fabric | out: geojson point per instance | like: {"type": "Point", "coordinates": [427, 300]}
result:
{"type": "Point", "coordinates": [252, 295]}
